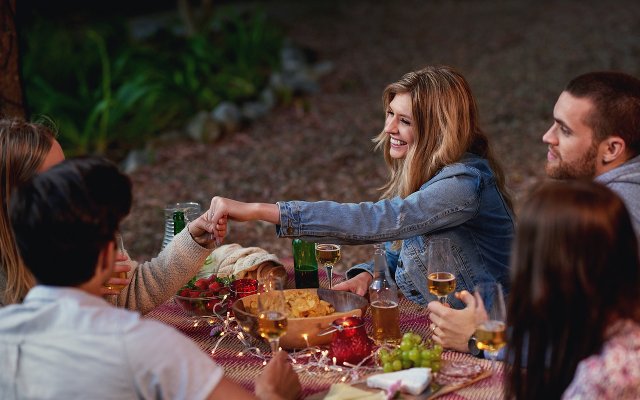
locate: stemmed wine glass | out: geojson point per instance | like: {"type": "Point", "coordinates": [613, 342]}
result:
{"type": "Point", "coordinates": [328, 254]}
{"type": "Point", "coordinates": [490, 331]}
{"type": "Point", "coordinates": [441, 279]}
{"type": "Point", "coordinates": [272, 312]}
{"type": "Point", "coordinates": [122, 275]}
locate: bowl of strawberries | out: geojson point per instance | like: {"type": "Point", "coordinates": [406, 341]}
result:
{"type": "Point", "coordinates": [204, 296]}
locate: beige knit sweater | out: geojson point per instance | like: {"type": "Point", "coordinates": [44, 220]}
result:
{"type": "Point", "coordinates": [154, 282]}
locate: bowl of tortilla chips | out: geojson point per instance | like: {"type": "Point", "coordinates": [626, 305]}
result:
{"type": "Point", "coordinates": [309, 312]}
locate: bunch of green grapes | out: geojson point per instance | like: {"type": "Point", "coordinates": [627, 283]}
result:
{"type": "Point", "coordinates": [412, 352]}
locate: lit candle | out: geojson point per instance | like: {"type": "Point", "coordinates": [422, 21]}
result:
{"type": "Point", "coordinates": [350, 342]}
{"type": "Point", "coordinates": [306, 338]}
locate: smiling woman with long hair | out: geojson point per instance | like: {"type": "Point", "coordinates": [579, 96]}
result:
{"type": "Point", "coordinates": [574, 312]}
{"type": "Point", "coordinates": [443, 183]}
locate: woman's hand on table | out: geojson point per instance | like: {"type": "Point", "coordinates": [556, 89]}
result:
{"type": "Point", "coordinates": [122, 265]}
{"type": "Point", "coordinates": [278, 380]}
{"type": "Point", "coordinates": [359, 284]}
{"type": "Point", "coordinates": [453, 328]}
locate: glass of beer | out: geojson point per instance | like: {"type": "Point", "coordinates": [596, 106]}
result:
{"type": "Point", "coordinates": [272, 312]}
{"type": "Point", "coordinates": [329, 255]}
{"type": "Point", "coordinates": [122, 275]}
{"type": "Point", "coordinates": [490, 331]}
{"type": "Point", "coordinates": [441, 278]}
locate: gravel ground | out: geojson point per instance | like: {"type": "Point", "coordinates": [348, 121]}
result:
{"type": "Point", "coordinates": [517, 56]}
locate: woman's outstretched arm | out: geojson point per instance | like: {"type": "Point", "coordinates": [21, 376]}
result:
{"type": "Point", "coordinates": [222, 209]}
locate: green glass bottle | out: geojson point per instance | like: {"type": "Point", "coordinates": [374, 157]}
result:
{"type": "Point", "coordinates": [305, 265]}
{"type": "Point", "coordinates": [178, 222]}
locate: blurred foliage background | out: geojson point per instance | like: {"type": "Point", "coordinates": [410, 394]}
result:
{"type": "Point", "coordinates": [108, 90]}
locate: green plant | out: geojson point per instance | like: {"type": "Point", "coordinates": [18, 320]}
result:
{"type": "Point", "coordinates": [105, 91]}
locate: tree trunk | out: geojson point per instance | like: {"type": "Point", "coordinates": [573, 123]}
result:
{"type": "Point", "coordinates": [11, 102]}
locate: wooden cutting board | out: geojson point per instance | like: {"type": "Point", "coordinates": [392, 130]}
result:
{"type": "Point", "coordinates": [430, 393]}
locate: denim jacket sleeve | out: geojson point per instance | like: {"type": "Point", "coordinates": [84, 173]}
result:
{"type": "Point", "coordinates": [447, 200]}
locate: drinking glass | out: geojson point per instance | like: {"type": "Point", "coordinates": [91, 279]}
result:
{"type": "Point", "coordinates": [441, 278]}
{"type": "Point", "coordinates": [191, 209]}
{"type": "Point", "coordinates": [272, 312]}
{"type": "Point", "coordinates": [122, 275]}
{"type": "Point", "coordinates": [328, 254]}
{"type": "Point", "coordinates": [490, 331]}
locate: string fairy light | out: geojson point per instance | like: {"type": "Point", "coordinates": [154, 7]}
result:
{"type": "Point", "coordinates": [312, 361]}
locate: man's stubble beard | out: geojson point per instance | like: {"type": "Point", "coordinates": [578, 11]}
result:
{"type": "Point", "coordinates": [583, 168]}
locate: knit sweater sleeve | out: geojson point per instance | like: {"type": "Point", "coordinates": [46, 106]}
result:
{"type": "Point", "coordinates": [154, 282]}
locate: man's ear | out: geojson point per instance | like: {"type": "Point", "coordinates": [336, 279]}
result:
{"type": "Point", "coordinates": [106, 260]}
{"type": "Point", "coordinates": [614, 149]}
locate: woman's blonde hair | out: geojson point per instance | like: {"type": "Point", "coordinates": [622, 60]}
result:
{"type": "Point", "coordinates": [445, 121]}
{"type": "Point", "coordinates": [24, 146]}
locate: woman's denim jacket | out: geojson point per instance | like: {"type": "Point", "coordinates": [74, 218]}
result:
{"type": "Point", "coordinates": [461, 202]}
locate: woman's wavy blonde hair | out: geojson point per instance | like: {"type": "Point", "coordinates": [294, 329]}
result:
{"type": "Point", "coordinates": [23, 146]}
{"type": "Point", "coordinates": [445, 120]}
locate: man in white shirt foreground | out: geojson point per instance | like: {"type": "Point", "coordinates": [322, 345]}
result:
{"type": "Point", "coordinates": [64, 341]}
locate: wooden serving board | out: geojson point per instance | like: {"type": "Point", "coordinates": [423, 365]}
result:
{"type": "Point", "coordinates": [432, 392]}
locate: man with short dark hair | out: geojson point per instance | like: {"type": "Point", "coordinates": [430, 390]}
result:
{"type": "Point", "coordinates": [595, 135]}
{"type": "Point", "coordinates": [64, 341]}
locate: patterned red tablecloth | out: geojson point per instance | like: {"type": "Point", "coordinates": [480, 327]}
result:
{"type": "Point", "coordinates": [244, 368]}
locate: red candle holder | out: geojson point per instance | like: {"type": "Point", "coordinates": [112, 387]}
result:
{"type": "Point", "coordinates": [350, 342]}
{"type": "Point", "coordinates": [241, 288]}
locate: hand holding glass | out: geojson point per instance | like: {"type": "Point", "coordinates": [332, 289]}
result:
{"type": "Point", "coordinates": [490, 331]}
{"type": "Point", "coordinates": [441, 278]}
{"type": "Point", "coordinates": [117, 274]}
{"type": "Point", "coordinates": [272, 312]}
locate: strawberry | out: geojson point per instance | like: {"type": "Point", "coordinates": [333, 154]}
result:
{"type": "Point", "coordinates": [184, 292]}
{"type": "Point", "coordinates": [213, 278]}
{"type": "Point", "coordinates": [194, 293]}
{"type": "Point", "coordinates": [202, 284]}
{"type": "Point", "coordinates": [215, 286]}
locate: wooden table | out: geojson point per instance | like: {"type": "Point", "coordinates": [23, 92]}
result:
{"type": "Point", "coordinates": [243, 368]}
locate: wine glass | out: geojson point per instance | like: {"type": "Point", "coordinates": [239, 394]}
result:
{"type": "Point", "coordinates": [441, 278]}
{"type": "Point", "coordinates": [328, 254]}
{"type": "Point", "coordinates": [122, 275]}
{"type": "Point", "coordinates": [272, 311]}
{"type": "Point", "coordinates": [490, 331]}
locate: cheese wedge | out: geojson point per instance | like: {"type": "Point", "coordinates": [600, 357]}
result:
{"type": "Point", "coordinates": [412, 380]}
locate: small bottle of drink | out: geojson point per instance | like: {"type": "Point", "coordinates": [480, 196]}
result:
{"type": "Point", "coordinates": [178, 222]}
{"type": "Point", "coordinates": [305, 265]}
{"type": "Point", "coordinates": [383, 296]}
